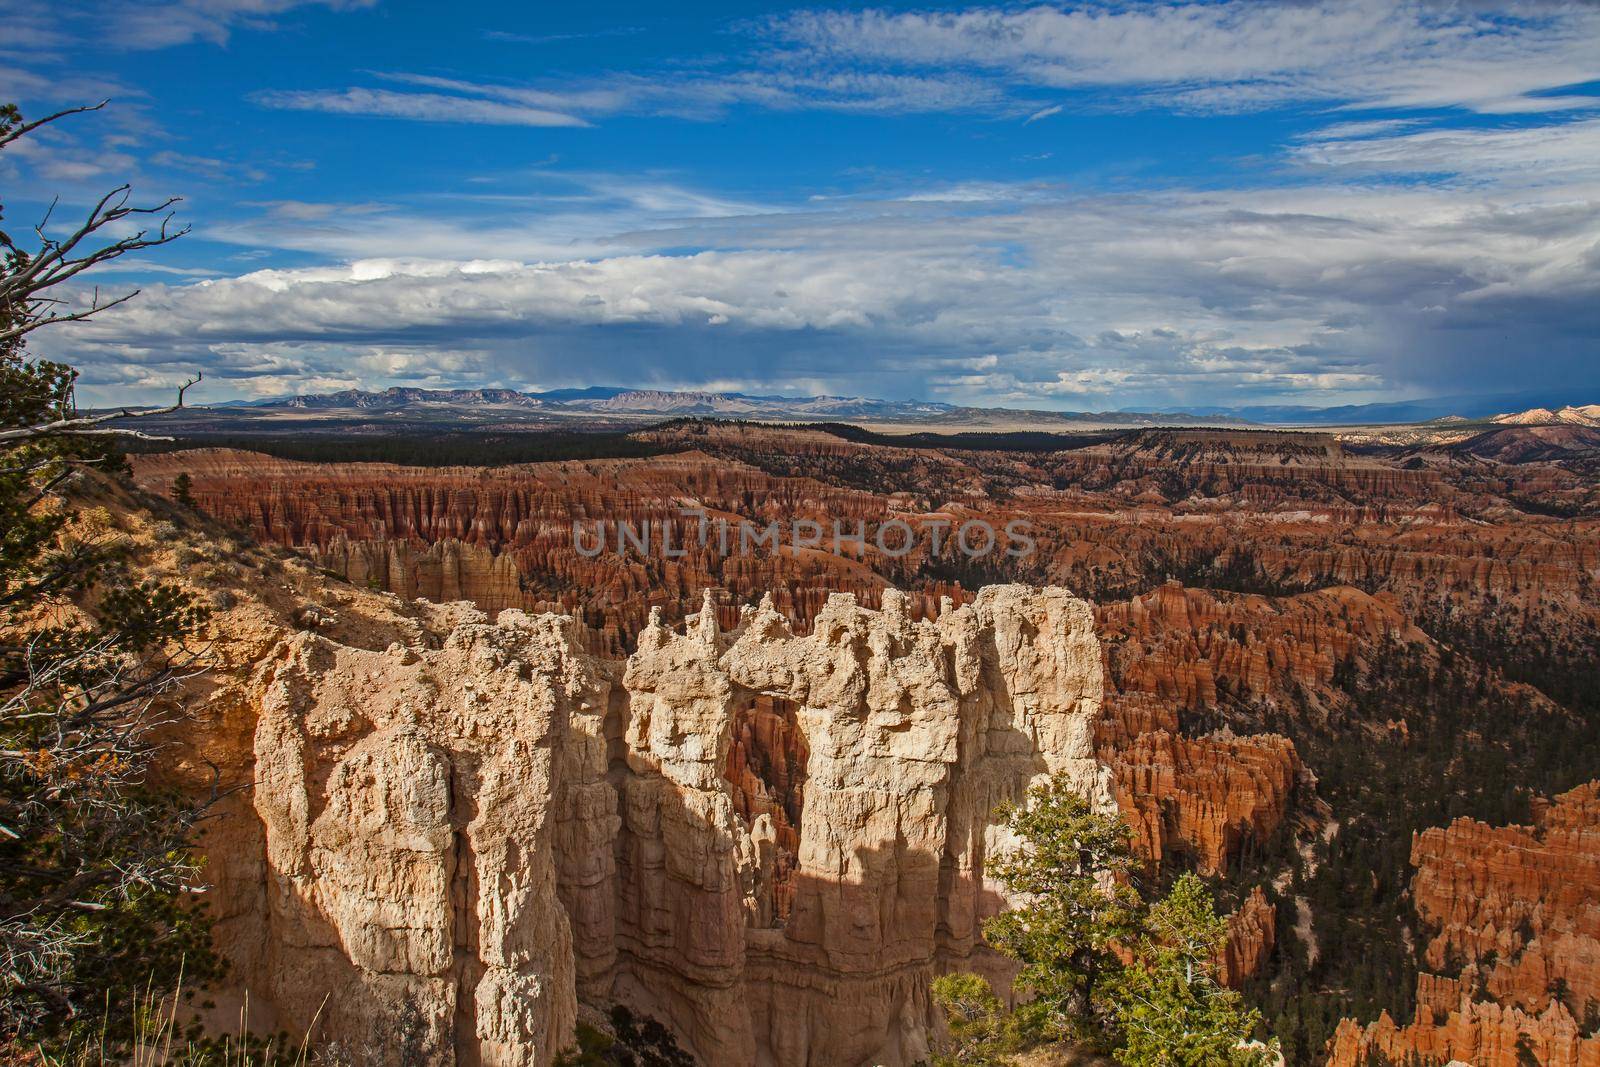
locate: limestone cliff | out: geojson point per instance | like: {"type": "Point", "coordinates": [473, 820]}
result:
{"type": "Point", "coordinates": [772, 843]}
{"type": "Point", "coordinates": [443, 571]}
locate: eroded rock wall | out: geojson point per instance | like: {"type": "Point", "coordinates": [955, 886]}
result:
{"type": "Point", "coordinates": [1452, 1027]}
{"type": "Point", "coordinates": [468, 832]}
{"type": "Point", "coordinates": [412, 801]}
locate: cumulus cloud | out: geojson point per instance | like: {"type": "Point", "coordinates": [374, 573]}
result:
{"type": "Point", "coordinates": [1402, 250]}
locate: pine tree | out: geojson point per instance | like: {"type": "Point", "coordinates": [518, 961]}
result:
{"type": "Point", "coordinates": [1100, 968]}
{"type": "Point", "coordinates": [182, 489]}
{"type": "Point", "coordinates": [1071, 871]}
{"type": "Point", "coordinates": [1172, 1011]}
{"type": "Point", "coordinates": [93, 859]}
{"type": "Point", "coordinates": [981, 1030]}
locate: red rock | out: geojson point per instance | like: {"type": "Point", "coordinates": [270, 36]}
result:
{"type": "Point", "coordinates": [1528, 895]}
{"type": "Point", "coordinates": [1519, 904]}
{"type": "Point", "coordinates": [1461, 1029]}
{"type": "Point", "coordinates": [1252, 933]}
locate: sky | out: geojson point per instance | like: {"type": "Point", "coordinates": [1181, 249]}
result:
{"type": "Point", "coordinates": [1085, 207]}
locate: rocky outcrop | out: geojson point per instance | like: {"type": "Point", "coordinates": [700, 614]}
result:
{"type": "Point", "coordinates": [1518, 905]}
{"type": "Point", "coordinates": [1199, 800]}
{"type": "Point", "coordinates": [1451, 1027]}
{"type": "Point", "coordinates": [412, 802]}
{"type": "Point", "coordinates": [1252, 934]}
{"type": "Point", "coordinates": [770, 842]}
{"type": "Point", "coordinates": [1185, 645]}
{"type": "Point", "coordinates": [443, 571]}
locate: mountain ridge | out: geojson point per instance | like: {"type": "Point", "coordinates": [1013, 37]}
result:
{"type": "Point", "coordinates": [622, 404]}
{"type": "Point", "coordinates": [1570, 415]}
{"type": "Point", "coordinates": [614, 401]}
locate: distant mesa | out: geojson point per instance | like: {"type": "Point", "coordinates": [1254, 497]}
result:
{"type": "Point", "coordinates": [619, 403]}
{"type": "Point", "coordinates": [1587, 415]}
{"type": "Point", "coordinates": [402, 398]}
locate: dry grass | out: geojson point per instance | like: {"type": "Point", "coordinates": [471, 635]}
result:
{"type": "Point", "coordinates": [161, 1040]}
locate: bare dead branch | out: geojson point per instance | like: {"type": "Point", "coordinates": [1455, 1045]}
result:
{"type": "Point", "coordinates": [28, 127]}
{"type": "Point", "coordinates": [94, 425]}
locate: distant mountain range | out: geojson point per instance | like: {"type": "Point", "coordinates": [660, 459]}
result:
{"type": "Point", "coordinates": [605, 401]}
{"type": "Point", "coordinates": [1431, 409]}
{"type": "Point", "coordinates": [615, 404]}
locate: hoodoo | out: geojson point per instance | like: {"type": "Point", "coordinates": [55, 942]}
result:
{"type": "Point", "coordinates": [473, 832]}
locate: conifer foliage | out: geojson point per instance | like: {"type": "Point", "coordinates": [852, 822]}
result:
{"type": "Point", "coordinates": [94, 860]}
{"type": "Point", "coordinates": [1101, 969]}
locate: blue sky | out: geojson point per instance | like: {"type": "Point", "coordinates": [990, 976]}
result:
{"type": "Point", "coordinates": [1083, 207]}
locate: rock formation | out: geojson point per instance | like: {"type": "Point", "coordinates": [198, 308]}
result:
{"type": "Point", "coordinates": [1172, 651]}
{"type": "Point", "coordinates": [1451, 1027]}
{"type": "Point", "coordinates": [1280, 511]}
{"type": "Point", "coordinates": [1354, 550]}
{"type": "Point", "coordinates": [1517, 906]}
{"type": "Point", "coordinates": [443, 571]}
{"type": "Point", "coordinates": [412, 804]}
{"type": "Point", "coordinates": [771, 843]}
{"type": "Point", "coordinates": [1252, 932]}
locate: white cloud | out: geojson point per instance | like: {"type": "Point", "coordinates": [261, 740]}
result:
{"type": "Point", "coordinates": [697, 96]}
{"type": "Point", "coordinates": [1556, 153]}
{"type": "Point", "coordinates": [1233, 55]}
{"type": "Point", "coordinates": [1241, 55]}
{"type": "Point", "coordinates": [1406, 251]}
{"type": "Point", "coordinates": [1308, 292]}
{"type": "Point", "coordinates": [35, 32]}
{"type": "Point", "coordinates": [425, 107]}
{"type": "Point", "coordinates": [141, 25]}
{"type": "Point", "coordinates": [1339, 131]}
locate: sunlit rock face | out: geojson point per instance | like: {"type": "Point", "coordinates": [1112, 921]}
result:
{"type": "Point", "coordinates": [771, 843]}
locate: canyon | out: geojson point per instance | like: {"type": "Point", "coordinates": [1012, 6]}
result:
{"type": "Point", "coordinates": [478, 824]}
{"type": "Point", "coordinates": [1294, 643]}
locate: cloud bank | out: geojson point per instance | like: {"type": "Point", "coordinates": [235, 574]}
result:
{"type": "Point", "coordinates": [1182, 298]}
